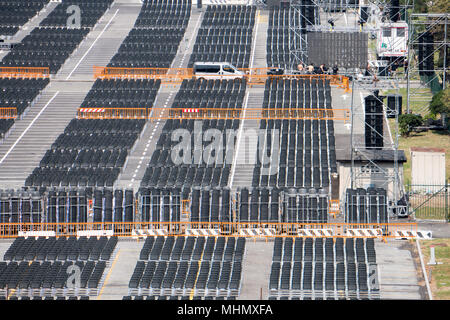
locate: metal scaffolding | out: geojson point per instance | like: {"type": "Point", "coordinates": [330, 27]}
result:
{"type": "Point", "coordinates": [369, 169]}
{"type": "Point", "coordinates": [419, 85]}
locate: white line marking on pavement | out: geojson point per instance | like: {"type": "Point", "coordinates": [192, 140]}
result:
{"type": "Point", "coordinates": [92, 45]}
{"type": "Point", "coordinates": [28, 128]}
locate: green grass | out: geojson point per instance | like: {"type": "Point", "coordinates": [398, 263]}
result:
{"type": "Point", "coordinates": [440, 274]}
{"type": "Point", "coordinates": [430, 138]}
{"type": "Point", "coordinates": [431, 213]}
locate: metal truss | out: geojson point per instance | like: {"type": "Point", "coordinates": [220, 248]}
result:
{"type": "Point", "coordinates": [417, 85]}
{"type": "Point", "coordinates": [372, 170]}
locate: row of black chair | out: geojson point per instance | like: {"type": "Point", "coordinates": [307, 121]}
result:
{"type": "Point", "coordinates": [178, 266]}
{"type": "Point", "coordinates": [91, 12]}
{"type": "Point", "coordinates": [323, 268]}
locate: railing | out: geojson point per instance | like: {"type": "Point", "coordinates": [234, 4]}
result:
{"type": "Point", "coordinates": [128, 229]}
{"type": "Point", "coordinates": [24, 72]}
{"type": "Point", "coordinates": [216, 113]}
{"type": "Point", "coordinates": [142, 73]}
{"type": "Point", "coordinates": [8, 113]}
{"type": "Point", "coordinates": [254, 76]}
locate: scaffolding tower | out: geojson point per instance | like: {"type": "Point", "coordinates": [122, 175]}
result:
{"type": "Point", "coordinates": [420, 78]}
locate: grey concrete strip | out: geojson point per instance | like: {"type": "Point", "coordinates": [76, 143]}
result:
{"type": "Point", "coordinates": [116, 280]}
{"type": "Point", "coordinates": [256, 270]}
{"type": "Point", "coordinates": [397, 271]}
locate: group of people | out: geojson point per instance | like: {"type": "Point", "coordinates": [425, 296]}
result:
{"type": "Point", "coordinates": [312, 69]}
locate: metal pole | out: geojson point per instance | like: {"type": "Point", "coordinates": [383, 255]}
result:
{"type": "Point", "coordinates": [445, 53]}
{"type": "Point", "coordinates": [409, 61]}
{"type": "Point", "coordinates": [351, 138]}
{"type": "Point", "coordinates": [447, 215]}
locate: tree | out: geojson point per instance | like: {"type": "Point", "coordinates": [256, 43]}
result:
{"type": "Point", "coordinates": [441, 102]}
{"type": "Point", "coordinates": [407, 122]}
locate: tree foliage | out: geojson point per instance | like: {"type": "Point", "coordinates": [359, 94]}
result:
{"type": "Point", "coordinates": [407, 122]}
{"type": "Point", "coordinates": [441, 102]}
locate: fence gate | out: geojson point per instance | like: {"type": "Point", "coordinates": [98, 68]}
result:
{"type": "Point", "coordinates": [430, 201]}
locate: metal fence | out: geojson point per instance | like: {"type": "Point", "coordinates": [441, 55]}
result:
{"type": "Point", "coordinates": [430, 201]}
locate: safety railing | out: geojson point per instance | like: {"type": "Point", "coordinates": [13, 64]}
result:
{"type": "Point", "coordinates": [254, 76]}
{"type": "Point", "coordinates": [129, 229]}
{"type": "Point", "coordinates": [8, 113]}
{"type": "Point", "coordinates": [215, 114]}
{"type": "Point", "coordinates": [24, 72]}
{"type": "Point", "coordinates": [151, 73]}
{"type": "Point", "coordinates": [113, 113]}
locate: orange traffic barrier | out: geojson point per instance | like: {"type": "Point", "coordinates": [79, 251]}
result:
{"type": "Point", "coordinates": [24, 72]}
{"type": "Point", "coordinates": [215, 114]}
{"type": "Point", "coordinates": [272, 230]}
{"type": "Point", "coordinates": [254, 76]}
{"type": "Point", "coordinates": [8, 113]}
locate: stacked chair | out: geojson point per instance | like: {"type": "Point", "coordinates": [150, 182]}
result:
{"type": "Point", "coordinates": [366, 206]}
{"type": "Point", "coordinates": [173, 268]}
{"type": "Point", "coordinates": [225, 35]}
{"type": "Point", "coordinates": [323, 269]}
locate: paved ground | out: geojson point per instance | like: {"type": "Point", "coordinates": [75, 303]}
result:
{"type": "Point", "coordinates": [119, 274]}
{"type": "Point", "coordinates": [399, 276]}
{"type": "Point", "coordinates": [439, 229]}
{"type": "Point", "coordinates": [256, 270]}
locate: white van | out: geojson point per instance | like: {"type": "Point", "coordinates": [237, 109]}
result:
{"type": "Point", "coordinates": [216, 70]}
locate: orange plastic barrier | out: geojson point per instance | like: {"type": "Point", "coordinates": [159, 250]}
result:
{"type": "Point", "coordinates": [124, 229]}
{"type": "Point", "coordinates": [152, 73]}
{"type": "Point", "coordinates": [8, 113]}
{"type": "Point", "coordinates": [24, 72]}
{"type": "Point", "coordinates": [211, 114]}
{"type": "Point", "coordinates": [254, 76]}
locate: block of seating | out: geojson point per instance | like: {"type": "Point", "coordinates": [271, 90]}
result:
{"type": "Point", "coordinates": [117, 93]}
{"type": "Point", "coordinates": [179, 266]}
{"type": "Point", "coordinates": [19, 94]}
{"type": "Point", "coordinates": [38, 266]}
{"type": "Point", "coordinates": [157, 33]}
{"type": "Point", "coordinates": [306, 155]}
{"type": "Point", "coordinates": [164, 14]}
{"type": "Point", "coordinates": [281, 37]}
{"type": "Point", "coordinates": [225, 35]}
{"type": "Point", "coordinates": [322, 269]}
{"type": "Point", "coordinates": [15, 13]}
{"type": "Point", "coordinates": [91, 12]}
{"type": "Point", "coordinates": [213, 170]}
{"type": "Point", "coordinates": [88, 153]}
{"type": "Point", "coordinates": [45, 47]}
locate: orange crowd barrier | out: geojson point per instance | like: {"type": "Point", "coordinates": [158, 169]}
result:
{"type": "Point", "coordinates": [151, 73]}
{"type": "Point", "coordinates": [272, 230]}
{"type": "Point", "coordinates": [8, 113]}
{"type": "Point", "coordinates": [215, 114]}
{"type": "Point", "coordinates": [24, 72]}
{"type": "Point", "coordinates": [254, 76]}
